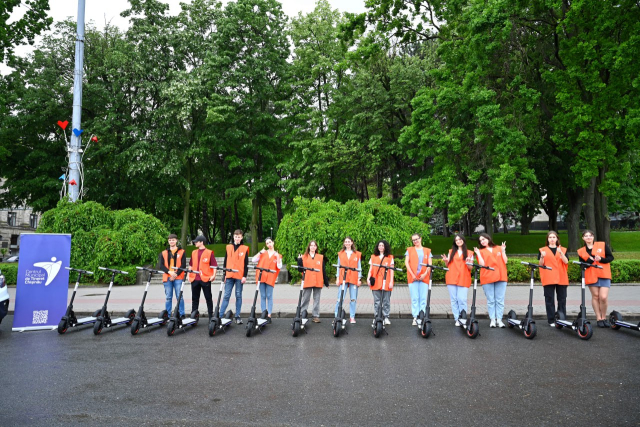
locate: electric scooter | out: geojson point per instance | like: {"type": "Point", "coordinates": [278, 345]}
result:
{"type": "Point", "coordinates": [471, 324]}
{"type": "Point", "coordinates": [617, 322]}
{"type": "Point", "coordinates": [69, 319]}
{"type": "Point", "coordinates": [581, 325]}
{"type": "Point", "coordinates": [176, 321]}
{"type": "Point", "coordinates": [528, 325]}
{"type": "Point", "coordinates": [300, 320]}
{"type": "Point", "coordinates": [423, 320]}
{"type": "Point", "coordinates": [216, 323]}
{"type": "Point", "coordinates": [4, 297]}
{"type": "Point", "coordinates": [141, 321]}
{"type": "Point", "coordinates": [378, 321]}
{"type": "Point", "coordinates": [104, 319]}
{"type": "Point", "coordinates": [340, 323]}
{"type": "Point", "coordinates": [261, 322]}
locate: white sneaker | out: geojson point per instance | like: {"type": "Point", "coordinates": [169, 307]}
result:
{"type": "Point", "coordinates": [387, 321]}
{"type": "Point", "coordinates": [493, 323]}
{"type": "Point", "coordinates": [415, 323]}
{"type": "Point", "coordinates": [553, 325]}
{"type": "Point", "coordinates": [457, 323]}
{"type": "Point", "coordinates": [500, 324]}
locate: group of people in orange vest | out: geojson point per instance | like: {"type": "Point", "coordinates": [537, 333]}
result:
{"type": "Point", "coordinates": [457, 278]}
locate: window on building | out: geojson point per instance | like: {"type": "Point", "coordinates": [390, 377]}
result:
{"type": "Point", "coordinates": [11, 219]}
{"type": "Point", "coordinates": [33, 221]}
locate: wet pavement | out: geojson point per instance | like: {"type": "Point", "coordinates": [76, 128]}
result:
{"type": "Point", "coordinates": [500, 378]}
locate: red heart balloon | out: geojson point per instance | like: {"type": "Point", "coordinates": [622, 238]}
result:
{"type": "Point", "coordinates": [94, 139]}
{"type": "Point", "coordinates": [63, 125]}
{"type": "Point", "coordinates": [73, 182]}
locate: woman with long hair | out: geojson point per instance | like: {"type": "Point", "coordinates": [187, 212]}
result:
{"type": "Point", "coordinates": [458, 278]}
{"type": "Point", "coordinates": [494, 282]}
{"type": "Point", "coordinates": [555, 280]}
{"type": "Point", "coordinates": [417, 275]}
{"type": "Point", "coordinates": [313, 280]}
{"type": "Point", "coordinates": [381, 256]}
{"type": "Point", "coordinates": [268, 258]}
{"type": "Point", "coordinates": [598, 280]}
{"type": "Point", "coordinates": [349, 257]}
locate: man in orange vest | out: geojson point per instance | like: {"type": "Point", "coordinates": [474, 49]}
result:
{"type": "Point", "coordinates": [235, 258]}
{"type": "Point", "coordinates": [204, 261]}
{"type": "Point", "coordinates": [172, 257]}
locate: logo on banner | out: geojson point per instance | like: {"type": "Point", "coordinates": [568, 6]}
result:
{"type": "Point", "coordinates": [38, 277]}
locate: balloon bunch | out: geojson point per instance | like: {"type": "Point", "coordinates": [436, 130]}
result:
{"type": "Point", "coordinates": [65, 176]}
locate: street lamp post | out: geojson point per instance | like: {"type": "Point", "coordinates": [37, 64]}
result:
{"type": "Point", "coordinates": [75, 159]}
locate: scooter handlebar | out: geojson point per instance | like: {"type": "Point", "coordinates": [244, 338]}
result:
{"type": "Point", "coordinates": [79, 271]}
{"type": "Point", "coordinates": [113, 270]}
{"type": "Point", "coordinates": [346, 268]}
{"type": "Point", "coordinates": [435, 267]}
{"type": "Point", "coordinates": [586, 264]}
{"type": "Point", "coordinates": [152, 270]}
{"type": "Point", "coordinates": [227, 269]}
{"type": "Point", "coordinates": [305, 268]}
{"type": "Point", "coordinates": [262, 268]}
{"type": "Point", "coordinates": [532, 265]}
{"type": "Point", "coordinates": [186, 270]}
{"type": "Point", "coordinates": [388, 267]}
{"type": "Point", "coordinates": [480, 266]}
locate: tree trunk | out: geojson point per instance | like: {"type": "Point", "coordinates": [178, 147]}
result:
{"type": "Point", "coordinates": [496, 224]}
{"type": "Point", "coordinates": [488, 214]}
{"type": "Point", "coordinates": [214, 227]}
{"type": "Point", "coordinates": [185, 209]}
{"type": "Point", "coordinates": [235, 211]}
{"type": "Point", "coordinates": [551, 209]}
{"type": "Point", "coordinates": [205, 222]}
{"type": "Point", "coordinates": [379, 185]}
{"type": "Point", "coordinates": [466, 225]}
{"type": "Point", "coordinates": [279, 210]}
{"type": "Point", "coordinates": [255, 205]}
{"type": "Point", "coordinates": [445, 222]}
{"type": "Point", "coordinates": [603, 222]}
{"type": "Point", "coordinates": [223, 213]}
{"type": "Point", "coordinates": [505, 225]}
{"type": "Point", "coordinates": [260, 229]}
{"type": "Point", "coordinates": [589, 205]}
{"type": "Point", "coordinates": [575, 197]}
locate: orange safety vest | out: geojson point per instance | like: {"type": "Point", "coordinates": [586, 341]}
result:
{"type": "Point", "coordinates": [235, 261]}
{"type": "Point", "coordinates": [458, 274]}
{"type": "Point", "coordinates": [165, 256]}
{"type": "Point", "coordinates": [378, 272]}
{"type": "Point", "coordinates": [271, 263]}
{"type": "Point", "coordinates": [591, 275]}
{"type": "Point", "coordinates": [558, 273]}
{"type": "Point", "coordinates": [493, 259]}
{"type": "Point", "coordinates": [203, 266]}
{"type": "Point", "coordinates": [413, 263]}
{"type": "Point", "coordinates": [313, 279]}
{"type": "Point", "coordinates": [352, 276]}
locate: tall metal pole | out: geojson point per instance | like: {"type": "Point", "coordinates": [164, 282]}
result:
{"type": "Point", "coordinates": [76, 142]}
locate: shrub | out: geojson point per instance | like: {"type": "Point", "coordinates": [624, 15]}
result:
{"type": "Point", "coordinates": [10, 272]}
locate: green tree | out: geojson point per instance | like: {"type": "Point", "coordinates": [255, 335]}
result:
{"type": "Point", "coordinates": [25, 29]}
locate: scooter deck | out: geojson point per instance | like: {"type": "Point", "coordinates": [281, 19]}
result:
{"type": "Point", "coordinates": [86, 320]}
{"type": "Point", "coordinates": [225, 321]}
{"type": "Point", "coordinates": [628, 325]}
{"type": "Point", "coordinates": [262, 322]}
{"type": "Point", "coordinates": [120, 320]}
{"type": "Point", "coordinates": [154, 321]}
{"type": "Point", "coordinates": [187, 322]}
{"type": "Point", "coordinates": [514, 322]}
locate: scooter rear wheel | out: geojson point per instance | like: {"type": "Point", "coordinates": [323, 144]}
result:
{"type": "Point", "coordinates": [512, 316]}
{"type": "Point", "coordinates": [296, 328]}
{"type": "Point", "coordinates": [213, 327]}
{"type": "Point", "coordinates": [377, 329]}
{"type": "Point", "coordinates": [131, 314]}
{"type": "Point", "coordinates": [473, 330]}
{"type": "Point", "coordinates": [585, 332]}
{"type": "Point", "coordinates": [135, 326]}
{"type": "Point", "coordinates": [164, 315]}
{"type": "Point", "coordinates": [337, 326]}
{"type": "Point", "coordinates": [62, 326]}
{"type": "Point", "coordinates": [530, 331]}
{"type": "Point", "coordinates": [558, 316]}
{"type": "Point", "coordinates": [613, 317]}
{"type": "Point", "coordinates": [97, 327]}
{"type": "Point", "coordinates": [425, 330]}
{"type": "Point", "coordinates": [171, 328]}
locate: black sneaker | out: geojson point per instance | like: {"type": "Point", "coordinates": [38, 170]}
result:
{"type": "Point", "coordinates": [600, 323]}
{"type": "Point", "coordinates": [606, 323]}
{"type": "Point", "coordinates": [268, 320]}
{"type": "Point", "coordinates": [238, 321]}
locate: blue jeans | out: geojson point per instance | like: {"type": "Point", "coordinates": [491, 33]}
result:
{"type": "Point", "coordinates": [266, 293]}
{"type": "Point", "coordinates": [353, 292]}
{"type": "Point", "coordinates": [228, 287]}
{"type": "Point", "coordinates": [495, 299]}
{"type": "Point", "coordinates": [171, 287]}
{"type": "Point", "coordinates": [458, 295]}
{"type": "Point", "coordinates": [418, 292]}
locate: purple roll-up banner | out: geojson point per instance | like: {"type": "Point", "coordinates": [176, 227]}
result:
{"type": "Point", "coordinates": [43, 281]}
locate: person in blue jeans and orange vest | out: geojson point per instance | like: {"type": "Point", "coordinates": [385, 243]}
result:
{"type": "Point", "coordinates": [313, 280]}
{"type": "Point", "coordinates": [349, 257]}
{"type": "Point", "coordinates": [204, 261]}
{"type": "Point", "coordinates": [555, 256]}
{"type": "Point", "coordinates": [417, 275]}
{"type": "Point", "coordinates": [494, 282]}
{"type": "Point", "coordinates": [598, 280]}
{"type": "Point", "coordinates": [268, 258]}
{"type": "Point", "coordinates": [169, 258]}
{"type": "Point", "coordinates": [458, 278]}
{"type": "Point", "coordinates": [236, 258]}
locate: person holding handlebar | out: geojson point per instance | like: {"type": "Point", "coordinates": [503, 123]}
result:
{"type": "Point", "coordinates": [349, 257]}
{"type": "Point", "coordinates": [494, 282]}
{"type": "Point", "coordinates": [598, 280]}
{"type": "Point", "coordinates": [236, 258]}
{"type": "Point", "coordinates": [172, 281]}
{"type": "Point", "coordinates": [417, 276]}
{"type": "Point", "coordinates": [268, 258]}
{"type": "Point", "coordinates": [204, 261]}
{"type": "Point", "coordinates": [381, 256]}
{"type": "Point", "coordinates": [458, 278]}
{"type": "Point", "coordinates": [313, 280]}
{"type": "Point", "coordinates": [553, 255]}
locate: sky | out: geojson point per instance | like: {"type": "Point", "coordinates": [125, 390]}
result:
{"type": "Point", "coordinates": [108, 11]}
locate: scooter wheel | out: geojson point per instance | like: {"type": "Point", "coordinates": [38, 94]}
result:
{"type": "Point", "coordinates": [164, 315]}
{"type": "Point", "coordinates": [337, 326]}
{"type": "Point", "coordinates": [171, 328]}
{"type": "Point", "coordinates": [377, 329]}
{"type": "Point", "coordinates": [97, 327]}
{"type": "Point", "coordinates": [585, 332]}
{"type": "Point", "coordinates": [131, 314]}
{"type": "Point", "coordinates": [213, 327]}
{"type": "Point", "coordinates": [135, 326]}
{"type": "Point", "coordinates": [613, 318]}
{"type": "Point", "coordinates": [97, 312]}
{"type": "Point", "coordinates": [530, 331]}
{"type": "Point", "coordinates": [249, 329]}
{"type": "Point", "coordinates": [62, 326]}
{"type": "Point", "coordinates": [511, 315]}
{"type": "Point", "coordinates": [425, 330]}
{"type": "Point", "coordinates": [558, 317]}
{"type": "Point", "coordinates": [473, 330]}
{"type": "Point", "coordinates": [296, 328]}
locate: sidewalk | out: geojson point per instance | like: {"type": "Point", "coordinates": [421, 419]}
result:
{"type": "Point", "coordinates": [624, 298]}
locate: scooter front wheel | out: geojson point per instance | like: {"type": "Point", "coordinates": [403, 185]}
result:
{"type": "Point", "coordinates": [213, 327]}
{"type": "Point", "coordinates": [249, 329]}
{"type": "Point", "coordinates": [171, 328]}
{"type": "Point", "coordinates": [135, 326]}
{"type": "Point", "coordinates": [512, 316]}
{"type": "Point", "coordinates": [337, 326]}
{"type": "Point", "coordinates": [296, 328]}
{"type": "Point", "coordinates": [97, 327]}
{"type": "Point", "coordinates": [164, 315]}
{"type": "Point", "coordinates": [62, 326]}
{"type": "Point", "coordinates": [585, 331]}
{"type": "Point", "coordinates": [377, 329]}
{"type": "Point", "coordinates": [473, 330]}
{"type": "Point", "coordinates": [530, 331]}
{"type": "Point", "coordinates": [425, 330]}
{"type": "Point", "coordinates": [613, 318]}
{"type": "Point", "coordinates": [131, 314]}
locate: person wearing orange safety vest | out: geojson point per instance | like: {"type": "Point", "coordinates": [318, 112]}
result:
{"type": "Point", "coordinates": [381, 256]}
{"type": "Point", "coordinates": [417, 275]}
{"type": "Point", "coordinates": [458, 278]}
{"type": "Point", "coordinates": [598, 280]}
{"type": "Point", "coordinates": [268, 258]}
{"type": "Point", "coordinates": [313, 280]}
{"type": "Point", "coordinates": [237, 258]}
{"type": "Point", "coordinates": [171, 279]}
{"type": "Point", "coordinates": [494, 282]}
{"type": "Point", "coordinates": [349, 257]}
{"type": "Point", "coordinates": [555, 280]}
{"type": "Point", "coordinates": [204, 261]}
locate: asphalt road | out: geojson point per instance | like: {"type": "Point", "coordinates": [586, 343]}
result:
{"type": "Point", "coordinates": [500, 378]}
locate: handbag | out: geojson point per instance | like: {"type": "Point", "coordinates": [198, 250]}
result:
{"type": "Point", "coordinates": [372, 280]}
